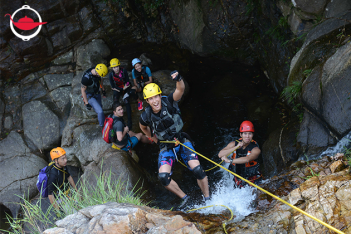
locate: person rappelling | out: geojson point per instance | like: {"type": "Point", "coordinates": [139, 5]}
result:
{"type": "Point", "coordinates": [161, 121]}
{"type": "Point", "coordinates": [244, 153]}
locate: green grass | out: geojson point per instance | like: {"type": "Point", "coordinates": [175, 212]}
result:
{"type": "Point", "coordinates": [291, 95]}
{"type": "Point", "coordinates": [309, 177]}
{"type": "Point", "coordinates": [105, 190]}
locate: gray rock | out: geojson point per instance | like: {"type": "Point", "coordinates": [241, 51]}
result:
{"type": "Point", "coordinates": [87, 19]}
{"type": "Point", "coordinates": [8, 122]}
{"type": "Point", "coordinates": [313, 137]}
{"type": "Point", "coordinates": [40, 125]}
{"type": "Point", "coordinates": [31, 91]}
{"type": "Point", "coordinates": [59, 69]}
{"type": "Point", "coordinates": [77, 78]}
{"type": "Point", "coordinates": [2, 109]}
{"type": "Point", "coordinates": [19, 176]}
{"type": "Point", "coordinates": [12, 145]}
{"type": "Point", "coordinates": [12, 98]}
{"type": "Point", "coordinates": [189, 18]}
{"type": "Point", "coordinates": [63, 59]}
{"type": "Point", "coordinates": [61, 96]}
{"type": "Point", "coordinates": [145, 60]}
{"type": "Point", "coordinates": [336, 8]}
{"type": "Point", "coordinates": [31, 77]}
{"type": "Point", "coordinates": [315, 7]}
{"type": "Point", "coordinates": [54, 81]}
{"type": "Point", "coordinates": [311, 89]}
{"type": "Point", "coordinates": [91, 54]}
{"type": "Point", "coordinates": [335, 82]}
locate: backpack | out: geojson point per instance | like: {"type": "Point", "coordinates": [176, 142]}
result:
{"type": "Point", "coordinates": [43, 177]}
{"type": "Point", "coordinates": [107, 131]}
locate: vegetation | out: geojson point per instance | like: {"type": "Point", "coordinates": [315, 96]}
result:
{"type": "Point", "coordinates": [309, 177]}
{"type": "Point", "coordinates": [105, 190]}
{"type": "Point", "coordinates": [347, 154]}
{"type": "Point", "coordinates": [291, 95]}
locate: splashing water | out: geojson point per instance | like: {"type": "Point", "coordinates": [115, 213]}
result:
{"type": "Point", "coordinates": [339, 147]}
{"type": "Point", "coordinates": [238, 200]}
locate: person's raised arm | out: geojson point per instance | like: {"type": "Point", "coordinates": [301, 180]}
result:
{"type": "Point", "coordinates": [226, 151]}
{"type": "Point", "coordinates": [180, 86]}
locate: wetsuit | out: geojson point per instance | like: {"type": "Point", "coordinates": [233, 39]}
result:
{"type": "Point", "coordinates": [118, 81]}
{"type": "Point", "coordinates": [127, 142]}
{"type": "Point", "coordinates": [58, 177]}
{"type": "Point", "coordinates": [168, 152]}
{"type": "Point", "coordinates": [250, 170]}
{"type": "Point", "coordinates": [93, 93]}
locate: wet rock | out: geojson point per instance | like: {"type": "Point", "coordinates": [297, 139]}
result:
{"type": "Point", "coordinates": [87, 19]}
{"type": "Point", "coordinates": [295, 197]}
{"type": "Point", "coordinates": [63, 59]}
{"type": "Point", "coordinates": [2, 109]}
{"type": "Point", "coordinates": [61, 96]}
{"type": "Point", "coordinates": [336, 7]}
{"type": "Point", "coordinates": [54, 81]}
{"type": "Point", "coordinates": [337, 166]}
{"type": "Point", "coordinates": [40, 125]}
{"type": "Point", "coordinates": [166, 84]}
{"type": "Point", "coordinates": [8, 122]}
{"type": "Point", "coordinates": [306, 6]}
{"type": "Point", "coordinates": [32, 91]}
{"type": "Point", "coordinates": [69, 31]}
{"type": "Point", "coordinates": [12, 98]}
{"type": "Point", "coordinates": [91, 54]}
{"type": "Point", "coordinates": [59, 69]}
{"type": "Point", "coordinates": [119, 217]}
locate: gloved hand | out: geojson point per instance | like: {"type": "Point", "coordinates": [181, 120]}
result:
{"type": "Point", "coordinates": [103, 93]}
{"type": "Point", "coordinates": [88, 106]}
{"type": "Point", "coordinates": [178, 77]}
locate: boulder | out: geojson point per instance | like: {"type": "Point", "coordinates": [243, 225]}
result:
{"type": "Point", "coordinates": [123, 218]}
{"type": "Point", "coordinates": [2, 109]}
{"type": "Point", "coordinates": [54, 81]}
{"type": "Point", "coordinates": [167, 85]}
{"type": "Point", "coordinates": [12, 98]}
{"type": "Point", "coordinates": [8, 122]}
{"type": "Point", "coordinates": [315, 8]}
{"type": "Point", "coordinates": [40, 125]}
{"type": "Point", "coordinates": [91, 54]}
{"type": "Point", "coordinates": [64, 59]}
{"type": "Point", "coordinates": [18, 170]}
{"type": "Point", "coordinates": [32, 91]}
{"type": "Point", "coordinates": [61, 96]}
{"type": "Point", "coordinates": [336, 7]}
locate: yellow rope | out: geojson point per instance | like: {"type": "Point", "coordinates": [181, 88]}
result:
{"type": "Point", "coordinates": [258, 187]}
{"type": "Point", "coordinates": [224, 223]}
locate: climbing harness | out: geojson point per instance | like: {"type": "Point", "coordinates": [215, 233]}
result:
{"type": "Point", "coordinates": [258, 187]}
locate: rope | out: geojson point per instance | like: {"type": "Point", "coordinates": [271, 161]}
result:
{"type": "Point", "coordinates": [258, 187]}
{"type": "Point", "coordinates": [225, 222]}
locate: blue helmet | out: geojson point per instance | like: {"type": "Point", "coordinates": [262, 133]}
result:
{"type": "Point", "coordinates": [135, 61]}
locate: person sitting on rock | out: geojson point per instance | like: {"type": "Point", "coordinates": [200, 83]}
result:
{"type": "Point", "coordinates": [124, 139]}
{"type": "Point", "coordinates": [119, 81]}
{"type": "Point", "coordinates": [244, 153]}
{"type": "Point", "coordinates": [161, 121]}
{"type": "Point", "coordinates": [59, 176]}
{"type": "Point", "coordinates": [90, 88]}
{"type": "Point", "coordinates": [141, 77]}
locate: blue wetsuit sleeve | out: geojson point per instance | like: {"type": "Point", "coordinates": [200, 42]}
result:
{"type": "Point", "coordinates": [148, 71]}
{"type": "Point", "coordinates": [112, 82]}
{"type": "Point", "coordinates": [133, 76]}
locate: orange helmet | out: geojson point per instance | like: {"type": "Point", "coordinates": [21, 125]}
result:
{"type": "Point", "coordinates": [246, 126]}
{"type": "Point", "coordinates": [57, 152]}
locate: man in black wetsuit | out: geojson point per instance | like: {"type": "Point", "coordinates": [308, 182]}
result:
{"type": "Point", "coordinates": [161, 121]}
{"type": "Point", "coordinates": [59, 176]}
{"type": "Point", "coordinates": [243, 154]}
{"type": "Point", "coordinates": [90, 88]}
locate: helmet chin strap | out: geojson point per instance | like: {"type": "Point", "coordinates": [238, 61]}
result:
{"type": "Point", "coordinates": [58, 164]}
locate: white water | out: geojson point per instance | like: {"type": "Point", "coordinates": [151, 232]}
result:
{"type": "Point", "coordinates": [339, 147]}
{"type": "Point", "coordinates": [238, 200]}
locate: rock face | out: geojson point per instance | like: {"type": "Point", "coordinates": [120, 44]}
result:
{"type": "Point", "coordinates": [18, 170]}
{"type": "Point", "coordinates": [40, 125]}
{"type": "Point", "coordinates": [123, 218]}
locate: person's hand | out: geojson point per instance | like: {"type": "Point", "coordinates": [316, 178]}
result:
{"type": "Point", "coordinates": [240, 144]}
{"type": "Point", "coordinates": [103, 93]}
{"type": "Point", "coordinates": [175, 76]}
{"type": "Point", "coordinates": [225, 159]}
{"type": "Point", "coordinates": [154, 139]}
{"type": "Point", "coordinates": [126, 129]}
{"type": "Point", "coordinates": [126, 86]}
{"type": "Point", "coordinates": [88, 106]}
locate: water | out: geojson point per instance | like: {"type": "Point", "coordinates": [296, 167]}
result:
{"type": "Point", "coordinates": [345, 142]}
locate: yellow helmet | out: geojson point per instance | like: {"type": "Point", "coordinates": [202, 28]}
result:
{"type": "Point", "coordinates": [101, 69]}
{"type": "Point", "coordinates": [57, 152]}
{"type": "Point", "coordinates": [151, 90]}
{"type": "Point", "coordinates": [114, 62]}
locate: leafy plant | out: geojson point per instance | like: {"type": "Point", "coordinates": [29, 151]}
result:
{"type": "Point", "coordinates": [307, 72]}
{"type": "Point", "coordinates": [309, 177]}
{"type": "Point", "coordinates": [291, 94]}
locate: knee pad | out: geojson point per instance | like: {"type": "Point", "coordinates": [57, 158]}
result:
{"type": "Point", "coordinates": [164, 178]}
{"type": "Point", "coordinates": [199, 172]}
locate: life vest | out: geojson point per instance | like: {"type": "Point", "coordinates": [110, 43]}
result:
{"type": "Point", "coordinates": [118, 78]}
{"type": "Point", "coordinates": [169, 124]}
{"type": "Point", "coordinates": [94, 88]}
{"type": "Point", "coordinates": [248, 170]}
{"type": "Point", "coordinates": [141, 76]}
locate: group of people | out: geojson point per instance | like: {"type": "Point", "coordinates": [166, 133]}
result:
{"type": "Point", "coordinates": [161, 121]}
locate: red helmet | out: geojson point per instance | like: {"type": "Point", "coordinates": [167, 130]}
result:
{"type": "Point", "coordinates": [246, 126]}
